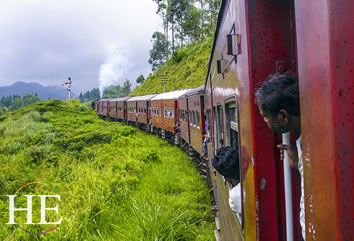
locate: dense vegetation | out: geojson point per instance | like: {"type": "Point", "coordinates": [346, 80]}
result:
{"type": "Point", "coordinates": [115, 183]}
{"type": "Point", "coordinates": [180, 54]}
{"type": "Point", "coordinates": [89, 95]}
{"type": "Point", "coordinates": [14, 102]}
{"type": "Point", "coordinates": [186, 69]}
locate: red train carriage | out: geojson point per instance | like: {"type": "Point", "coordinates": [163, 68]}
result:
{"type": "Point", "coordinates": [121, 109]}
{"type": "Point", "coordinates": [143, 111]}
{"type": "Point", "coordinates": [253, 40]}
{"type": "Point", "coordinates": [103, 106]}
{"type": "Point", "coordinates": [164, 109]}
{"type": "Point", "coordinates": [191, 117]}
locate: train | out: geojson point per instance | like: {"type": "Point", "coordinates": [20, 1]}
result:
{"type": "Point", "coordinates": [255, 39]}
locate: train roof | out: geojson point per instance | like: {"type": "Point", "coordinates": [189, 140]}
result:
{"type": "Point", "coordinates": [170, 95]}
{"type": "Point", "coordinates": [120, 99]}
{"type": "Point", "coordinates": [196, 91]}
{"type": "Point", "coordinates": [103, 100]}
{"type": "Point", "coordinates": [141, 98]}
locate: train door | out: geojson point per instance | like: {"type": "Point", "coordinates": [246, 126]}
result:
{"type": "Point", "coordinates": [274, 31]}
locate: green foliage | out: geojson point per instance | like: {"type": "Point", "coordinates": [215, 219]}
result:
{"type": "Point", "coordinates": [116, 183]}
{"type": "Point", "coordinates": [115, 91]}
{"type": "Point", "coordinates": [90, 95]}
{"type": "Point", "coordinates": [140, 79]}
{"type": "Point", "coordinates": [178, 56]}
{"type": "Point", "coordinates": [187, 70]}
{"type": "Point", "coordinates": [127, 87]}
{"type": "Point", "coordinates": [12, 103]}
{"type": "Point", "coordinates": [158, 52]}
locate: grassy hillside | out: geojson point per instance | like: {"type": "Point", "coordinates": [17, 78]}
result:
{"type": "Point", "coordinates": [188, 69]}
{"type": "Point", "coordinates": [115, 183]}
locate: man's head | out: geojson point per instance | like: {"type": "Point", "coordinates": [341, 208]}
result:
{"type": "Point", "coordinates": [278, 102]}
{"type": "Point", "coordinates": [226, 162]}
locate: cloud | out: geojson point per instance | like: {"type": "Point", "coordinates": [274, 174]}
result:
{"type": "Point", "coordinates": [46, 41]}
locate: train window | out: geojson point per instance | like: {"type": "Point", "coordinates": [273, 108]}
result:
{"type": "Point", "coordinates": [184, 115]}
{"type": "Point", "coordinates": [208, 118]}
{"type": "Point", "coordinates": [198, 119]}
{"type": "Point", "coordinates": [220, 127]}
{"type": "Point", "coordinates": [232, 124]}
{"type": "Point", "coordinates": [194, 119]}
{"type": "Point", "coordinates": [190, 118]}
{"type": "Point", "coordinates": [172, 113]}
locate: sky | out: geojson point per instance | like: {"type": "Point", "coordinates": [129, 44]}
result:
{"type": "Point", "coordinates": [95, 42]}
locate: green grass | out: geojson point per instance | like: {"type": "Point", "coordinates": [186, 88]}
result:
{"type": "Point", "coordinates": [187, 70]}
{"type": "Point", "coordinates": [115, 183]}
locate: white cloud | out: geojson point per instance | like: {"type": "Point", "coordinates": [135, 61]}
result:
{"type": "Point", "coordinates": [48, 40]}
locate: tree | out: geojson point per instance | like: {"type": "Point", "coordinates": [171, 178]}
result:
{"type": "Point", "coordinates": [126, 87]}
{"type": "Point", "coordinates": [158, 53]}
{"type": "Point", "coordinates": [29, 99]}
{"type": "Point", "coordinates": [162, 11]}
{"type": "Point", "coordinates": [140, 79]}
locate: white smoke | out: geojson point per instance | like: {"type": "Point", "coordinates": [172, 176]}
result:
{"type": "Point", "coordinates": [113, 71]}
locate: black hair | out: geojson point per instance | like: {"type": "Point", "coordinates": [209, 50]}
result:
{"type": "Point", "coordinates": [203, 132]}
{"type": "Point", "coordinates": [279, 91]}
{"type": "Point", "coordinates": [226, 162]}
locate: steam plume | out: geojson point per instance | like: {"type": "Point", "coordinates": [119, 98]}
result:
{"type": "Point", "coordinates": [114, 68]}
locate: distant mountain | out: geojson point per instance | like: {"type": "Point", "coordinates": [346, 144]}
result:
{"type": "Point", "coordinates": [44, 92]}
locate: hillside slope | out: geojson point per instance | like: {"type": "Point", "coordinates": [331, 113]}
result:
{"type": "Point", "coordinates": [115, 183]}
{"type": "Point", "coordinates": [188, 70]}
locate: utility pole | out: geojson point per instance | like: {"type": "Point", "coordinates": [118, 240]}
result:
{"type": "Point", "coordinates": [164, 79]}
{"type": "Point", "coordinates": [68, 83]}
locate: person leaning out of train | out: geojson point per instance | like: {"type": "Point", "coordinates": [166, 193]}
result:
{"type": "Point", "coordinates": [226, 163]}
{"type": "Point", "coordinates": [206, 140]}
{"type": "Point", "coordinates": [177, 129]}
{"type": "Point", "coordinates": [279, 104]}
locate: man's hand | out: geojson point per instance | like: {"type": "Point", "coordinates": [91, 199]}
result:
{"type": "Point", "coordinates": [214, 172]}
{"type": "Point", "coordinates": [292, 153]}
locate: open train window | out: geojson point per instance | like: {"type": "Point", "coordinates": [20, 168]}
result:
{"type": "Point", "coordinates": [198, 119]}
{"type": "Point", "coordinates": [220, 127]}
{"type": "Point", "coordinates": [190, 118]}
{"type": "Point", "coordinates": [232, 124]}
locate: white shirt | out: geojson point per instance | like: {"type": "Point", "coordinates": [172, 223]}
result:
{"type": "Point", "coordinates": [302, 201]}
{"type": "Point", "coordinates": [235, 198]}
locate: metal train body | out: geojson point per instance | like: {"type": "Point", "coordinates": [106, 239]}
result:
{"type": "Point", "coordinates": [255, 39]}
